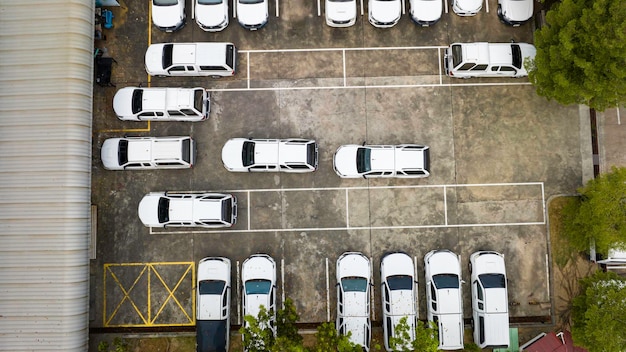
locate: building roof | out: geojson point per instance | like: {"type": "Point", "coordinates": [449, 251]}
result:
{"type": "Point", "coordinates": [46, 82]}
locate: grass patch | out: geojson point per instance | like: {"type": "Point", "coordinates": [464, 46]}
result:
{"type": "Point", "coordinates": [562, 251]}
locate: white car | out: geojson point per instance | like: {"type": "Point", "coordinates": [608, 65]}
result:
{"type": "Point", "coordinates": [467, 7]}
{"type": "Point", "coordinates": [252, 14]}
{"type": "Point", "coordinates": [211, 15]}
{"type": "Point", "coordinates": [399, 295]}
{"type": "Point", "coordinates": [515, 12]}
{"type": "Point", "coordinates": [213, 305]}
{"type": "Point", "coordinates": [258, 275]}
{"type": "Point", "coordinates": [191, 59]}
{"type": "Point", "coordinates": [162, 104]}
{"type": "Point", "coordinates": [353, 298]}
{"type": "Point", "coordinates": [490, 304]}
{"type": "Point", "coordinates": [384, 13]}
{"type": "Point", "coordinates": [444, 298]}
{"type": "Point", "coordinates": [168, 15]}
{"type": "Point", "coordinates": [144, 153]}
{"type": "Point", "coordinates": [188, 209]}
{"type": "Point", "coordinates": [264, 155]}
{"type": "Point", "coordinates": [340, 13]}
{"type": "Point", "coordinates": [426, 12]}
{"type": "Point", "coordinates": [405, 160]}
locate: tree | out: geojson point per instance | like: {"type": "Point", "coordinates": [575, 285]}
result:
{"type": "Point", "coordinates": [600, 213]}
{"type": "Point", "coordinates": [426, 339]}
{"type": "Point", "coordinates": [328, 340]}
{"type": "Point", "coordinates": [581, 54]}
{"type": "Point", "coordinates": [599, 313]}
{"type": "Point", "coordinates": [256, 332]}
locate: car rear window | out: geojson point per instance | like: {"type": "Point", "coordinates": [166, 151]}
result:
{"type": "Point", "coordinates": [227, 210]}
{"type": "Point", "coordinates": [187, 150]}
{"type": "Point", "coordinates": [427, 160]}
{"type": "Point", "coordinates": [247, 153]}
{"type": "Point", "coordinates": [198, 99]}
{"type": "Point", "coordinates": [230, 56]}
{"type": "Point", "coordinates": [457, 55]}
{"type": "Point", "coordinates": [311, 155]}
{"type": "Point", "coordinates": [136, 104]}
{"type": "Point", "coordinates": [122, 152]}
{"type": "Point", "coordinates": [517, 55]}
{"type": "Point", "coordinates": [167, 55]}
{"type": "Point", "coordinates": [163, 210]}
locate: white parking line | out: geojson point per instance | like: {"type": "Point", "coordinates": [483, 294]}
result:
{"type": "Point", "coordinates": [373, 289]}
{"type": "Point", "coordinates": [238, 295]}
{"type": "Point", "coordinates": [532, 220]}
{"type": "Point", "coordinates": [327, 293]}
{"type": "Point", "coordinates": [487, 5]}
{"type": "Point", "coordinates": [619, 120]}
{"type": "Point", "coordinates": [403, 7]}
{"type": "Point", "coordinates": [361, 7]}
{"type": "Point", "coordinates": [282, 282]}
{"type": "Point", "coordinates": [445, 4]}
{"type": "Point", "coordinates": [277, 7]}
{"type": "Point", "coordinates": [319, 8]}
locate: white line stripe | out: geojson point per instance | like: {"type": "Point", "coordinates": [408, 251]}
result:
{"type": "Point", "coordinates": [248, 64]}
{"type": "Point", "coordinates": [547, 276]}
{"type": "Point", "coordinates": [343, 55]}
{"type": "Point", "coordinates": [445, 205]}
{"type": "Point", "coordinates": [327, 293]}
{"type": "Point", "coordinates": [282, 281]}
{"type": "Point", "coordinates": [440, 68]}
{"type": "Point", "coordinates": [238, 295]}
{"type": "Point", "coordinates": [319, 8]}
{"type": "Point", "coordinates": [381, 86]}
{"type": "Point", "coordinates": [400, 227]}
{"type": "Point", "coordinates": [487, 5]}
{"type": "Point", "coordinates": [347, 211]}
{"type": "Point", "coordinates": [619, 120]}
{"type": "Point", "coordinates": [249, 213]}
{"type": "Point", "coordinates": [416, 302]}
{"type": "Point", "coordinates": [361, 7]}
{"type": "Point", "coordinates": [543, 202]}
{"type": "Point", "coordinates": [372, 310]}
{"type": "Point", "coordinates": [445, 3]}
{"type": "Point", "coordinates": [277, 7]}
{"type": "Point", "coordinates": [428, 47]}
{"type": "Point", "coordinates": [403, 7]}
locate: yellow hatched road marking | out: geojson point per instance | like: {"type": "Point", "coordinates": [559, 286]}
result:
{"type": "Point", "coordinates": [147, 271]}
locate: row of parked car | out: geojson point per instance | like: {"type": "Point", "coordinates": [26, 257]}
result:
{"type": "Point", "coordinates": [212, 15]}
{"type": "Point", "coordinates": [399, 296]}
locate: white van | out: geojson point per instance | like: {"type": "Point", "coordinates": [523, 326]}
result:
{"type": "Point", "coordinates": [466, 60]}
{"type": "Point", "coordinates": [162, 104]}
{"type": "Point", "coordinates": [191, 59]}
{"type": "Point", "coordinates": [143, 153]}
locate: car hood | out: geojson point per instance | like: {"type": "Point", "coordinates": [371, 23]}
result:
{"type": "Point", "coordinates": [167, 16]}
{"type": "Point", "coordinates": [108, 154]}
{"type": "Point", "coordinates": [469, 5]}
{"type": "Point", "coordinates": [353, 265]}
{"type": "Point", "coordinates": [231, 153]}
{"type": "Point", "coordinates": [258, 268]}
{"type": "Point", "coordinates": [252, 14]}
{"type": "Point", "coordinates": [426, 10]}
{"type": "Point", "coordinates": [385, 11]}
{"type": "Point", "coordinates": [528, 51]}
{"type": "Point", "coordinates": [396, 264]}
{"type": "Point", "coordinates": [211, 15]}
{"type": "Point", "coordinates": [443, 262]}
{"type": "Point", "coordinates": [122, 101]}
{"type": "Point", "coordinates": [154, 59]}
{"type": "Point", "coordinates": [345, 160]}
{"type": "Point", "coordinates": [517, 10]}
{"type": "Point", "coordinates": [341, 11]}
{"type": "Point", "coordinates": [148, 210]}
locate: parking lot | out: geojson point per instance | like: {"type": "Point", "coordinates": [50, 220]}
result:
{"type": "Point", "coordinates": [498, 153]}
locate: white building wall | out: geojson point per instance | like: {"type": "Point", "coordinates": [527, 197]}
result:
{"type": "Point", "coordinates": [46, 75]}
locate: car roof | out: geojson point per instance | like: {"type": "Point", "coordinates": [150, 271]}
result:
{"type": "Point", "coordinates": [153, 148]}
{"type": "Point", "coordinates": [382, 158]}
{"type": "Point", "coordinates": [402, 302]}
{"type": "Point", "coordinates": [409, 157]}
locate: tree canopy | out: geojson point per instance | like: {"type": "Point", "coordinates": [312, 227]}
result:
{"type": "Point", "coordinates": [581, 54]}
{"type": "Point", "coordinates": [599, 313]}
{"type": "Point", "coordinates": [600, 213]}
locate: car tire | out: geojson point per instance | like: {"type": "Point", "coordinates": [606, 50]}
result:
{"type": "Point", "coordinates": [470, 267]}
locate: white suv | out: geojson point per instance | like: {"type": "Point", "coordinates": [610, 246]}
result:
{"type": "Point", "coordinates": [188, 209]}
{"type": "Point", "coordinates": [467, 7]}
{"type": "Point", "coordinates": [211, 15]}
{"type": "Point", "coordinates": [168, 15]}
{"type": "Point", "coordinates": [515, 12]}
{"type": "Point", "coordinates": [144, 153]}
{"type": "Point", "coordinates": [353, 298]}
{"type": "Point", "coordinates": [490, 303]}
{"type": "Point", "coordinates": [405, 160]}
{"type": "Point", "coordinates": [384, 13]}
{"type": "Point", "coordinates": [425, 12]}
{"type": "Point", "coordinates": [444, 298]}
{"type": "Point", "coordinates": [340, 13]}
{"type": "Point", "coordinates": [263, 155]}
{"type": "Point", "coordinates": [252, 14]}
{"type": "Point", "coordinates": [162, 104]}
{"type": "Point", "coordinates": [258, 275]}
{"type": "Point", "coordinates": [213, 304]}
{"type": "Point", "coordinates": [399, 295]}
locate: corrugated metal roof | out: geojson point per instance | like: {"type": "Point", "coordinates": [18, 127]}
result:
{"type": "Point", "coordinates": [46, 74]}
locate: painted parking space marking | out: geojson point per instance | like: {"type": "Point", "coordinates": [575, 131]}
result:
{"type": "Point", "coordinates": [440, 206]}
{"type": "Point", "coordinates": [149, 294]}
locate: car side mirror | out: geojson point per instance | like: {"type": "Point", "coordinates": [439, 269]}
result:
{"type": "Point", "coordinates": [363, 143]}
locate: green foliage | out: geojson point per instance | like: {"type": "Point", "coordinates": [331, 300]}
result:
{"type": "Point", "coordinates": [286, 320]}
{"type": "Point", "coordinates": [581, 54]}
{"type": "Point", "coordinates": [426, 339]}
{"type": "Point", "coordinates": [119, 345]}
{"type": "Point", "coordinates": [256, 332]}
{"type": "Point", "coordinates": [328, 340]}
{"type": "Point", "coordinates": [599, 313]}
{"type": "Point", "coordinates": [471, 347]}
{"type": "Point", "coordinates": [600, 214]}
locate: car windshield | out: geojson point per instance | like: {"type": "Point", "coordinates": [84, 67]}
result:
{"type": "Point", "coordinates": [163, 211]}
{"type": "Point", "coordinates": [446, 281]}
{"type": "Point", "coordinates": [165, 2]}
{"type": "Point", "coordinates": [250, 1]}
{"type": "Point", "coordinates": [122, 152]}
{"type": "Point", "coordinates": [209, 2]}
{"type": "Point", "coordinates": [492, 280]}
{"type": "Point", "coordinates": [457, 55]}
{"type": "Point", "coordinates": [400, 282]}
{"type": "Point", "coordinates": [136, 104]}
{"type": "Point", "coordinates": [211, 287]}
{"type": "Point", "coordinates": [247, 153]}
{"type": "Point", "coordinates": [167, 55]}
{"type": "Point", "coordinates": [363, 158]}
{"type": "Point", "coordinates": [354, 284]}
{"type": "Point", "coordinates": [258, 287]}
